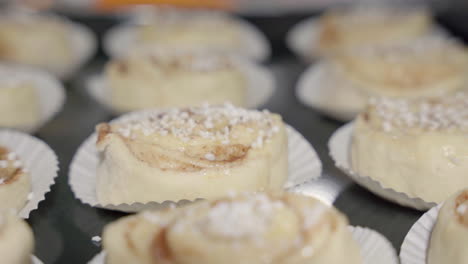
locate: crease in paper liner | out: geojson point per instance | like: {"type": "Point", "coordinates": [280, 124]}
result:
{"type": "Point", "coordinates": [304, 166]}
{"type": "Point", "coordinates": [416, 243]}
{"type": "Point", "coordinates": [50, 92]}
{"type": "Point", "coordinates": [339, 145]}
{"type": "Point", "coordinates": [375, 248]}
{"type": "Point", "coordinates": [39, 159]}
{"type": "Point", "coordinates": [35, 260]}
{"type": "Point", "coordinates": [302, 38]}
{"type": "Point", "coordinates": [122, 38]}
{"type": "Point", "coordinates": [309, 91]}
{"type": "Point", "coordinates": [260, 85]}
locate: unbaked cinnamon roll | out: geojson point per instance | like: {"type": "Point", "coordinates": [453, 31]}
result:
{"type": "Point", "coordinates": [19, 101]}
{"type": "Point", "coordinates": [15, 182]}
{"type": "Point", "coordinates": [40, 41]}
{"type": "Point", "coordinates": [257, 228]}
{"type": "Point", "coordinates": [417, 146]}
{"type": "Point", "coordinates": [156, 79]}
{"type": "Point", "coordinates": [189, 153]}
{"type": "Point", "coordinates": [447, 244]}
{"type": "Point", "coordinates": [16, 240]}
{"type": "Point", "coordinates": [429, 66]}
{"type": "Point", "coordinates": [370, 26]}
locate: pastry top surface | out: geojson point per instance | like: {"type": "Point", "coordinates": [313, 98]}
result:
{"type": "Point", "coordinates": [242, 216]}
{"type": "Point", "coordinates": [198, 136]}
{"type": "Point", "coordinates": [414, 65]}
{"type": "Point", "coordinates": [449, 113]}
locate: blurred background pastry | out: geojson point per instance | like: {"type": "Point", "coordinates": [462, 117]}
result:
{"type": "Point", "coordinates": [257, 228]}
{"type": "Point", "coordinates": [158, 79]}
{"type": "Point", "coordinates": [418, 146]}
{"type": "Point", "coordinates": [16, 240]}
{"type": "Point", "coordinates": [369, 26]}
{"type": "Point", "coordinates": [430, 66]}
{"type": "Point", "coordinates": [36, 40]}
{"type": "Point", "coordinates": [189, 30]}
{"type": "Point", "coordinates": [189, 153]}
{"type": "Point", "coordinates": [19, 100]}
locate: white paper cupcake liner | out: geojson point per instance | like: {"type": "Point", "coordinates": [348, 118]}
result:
{"type": "Point", "coordinates": [260, 85]}
{"type": "Point", "coordinates": [339, 147]}
{"type": "Point", "coordinates": [416, 244]}
{"type": "Point", "coordinates": [50, 92]}
{"type": "Point", "coordinates": [302, 38]}
{"type": "Point", "coordinates": [318, 83]}
{"type": "Point", "coordinates": [35, 260]}
{"type": "Point", "coordinates": [121, 39]}
{"type": "Point", "coordinates": [40, 161]}
{"type": "Point", "coordinates": [304, 165]}
{"type": "Point", "coordinates": [375, 248]}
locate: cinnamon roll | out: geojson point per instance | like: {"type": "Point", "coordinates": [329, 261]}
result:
{"type": "Point", "coordinates": [416, 146]}
{"type": "Point", "coordinates": [189, 153]}
{"type": "Point", "coordinates": [256, 228]}
{"type": "Point", "coordinates": [368, 26]}
{"type": "Point", "coordinates": [191, 31]}
{"type": "Point", "coordinates": [157, 79]}
{"type": "Point", "coordinates": [430, 66]}
{"type": "Point", "coordinates": [450, 233]}
{"type": "Point", "coordinates": [19, 101]}
{"type": "Point", "coordinates": [16, 240]}
{"type": "Point", "coordinates": [39, 41]}
{"type": "Point", "coordinates": [15, 182]}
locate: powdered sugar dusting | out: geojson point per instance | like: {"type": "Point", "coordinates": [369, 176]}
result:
{"type": "Point", "coordinates": [9, 159]}
{"type": "Point", "coordinates": [447, 113]}
{"type": "Point", "coordinates": [212, 122]}
{"type": "Point", "coordinates": [245, 218]}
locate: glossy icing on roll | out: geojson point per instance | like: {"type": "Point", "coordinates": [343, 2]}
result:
{"type": "Point", "coordinates": [414, 146]}
{"type": "Point", "coordinates": [254, 228]}
{"type": "Point", "coordinates": [190, 153]}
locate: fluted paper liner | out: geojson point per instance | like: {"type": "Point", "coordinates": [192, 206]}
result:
{"type": "Point", "coordinates": [260, 85]}
{"type": "Point", "coordinates": [304, 165]}
{"type": "Point", "coordinates": [416, 244]}
{"type": "Point", "coordinates": [375, 248]}
{"type": "Point", "coordinates": [38, 158]}
{"type": "Point", "coordinates": [302, 39]}
{"type": "Point", "coordinates": [339, 147]}
{"type": "Point", "coordinates": [50, 92]}
{"type": "Point", "coordinates": [121, 39]}
{"type": "Point", "coordinates": [311, 86]}
{"type": "Point", "coordinates": [35, 260]}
